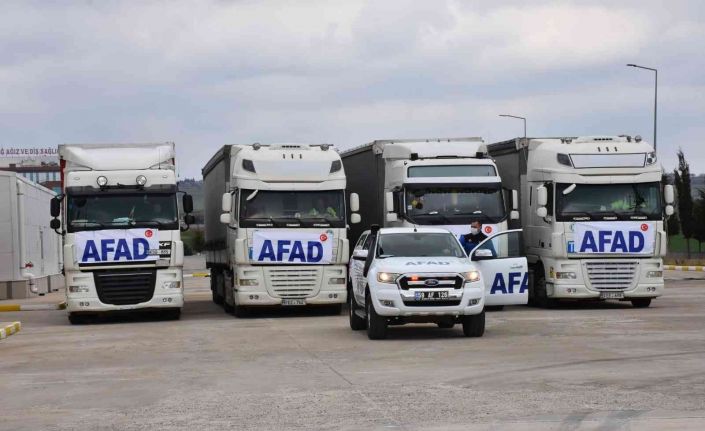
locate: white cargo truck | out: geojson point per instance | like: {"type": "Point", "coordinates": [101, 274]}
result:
{"type": "Point", "coordinates": [276, 230]}
{"type": "Point", "coordinates": [593, 211]}
{"type": "Point", "coordinates": [122, 233]}
{"type": "Point", "coordinates": [444, 182]}
{"type": "Point", "coordinates": [30, 253]}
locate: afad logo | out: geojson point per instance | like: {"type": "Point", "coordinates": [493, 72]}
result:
{"type": "Point", "coordinates": [488, 230]}
{"type": "Point", "coordinates": [644, 227]}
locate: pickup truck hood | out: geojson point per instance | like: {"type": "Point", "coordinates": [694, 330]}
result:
{"type": "Point", "coordinates": [424, 264]}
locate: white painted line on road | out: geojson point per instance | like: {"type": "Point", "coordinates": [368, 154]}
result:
{"type": "Point", "coordinates": [10, 329]}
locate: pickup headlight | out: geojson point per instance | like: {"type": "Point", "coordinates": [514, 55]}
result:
{"type": "Point", "coordinates": [566, 275]}
{"type": "Point", "coordinates": [387, 277]}
{"type": "Point", "coordinates": [171, 284]}
{"type": "Point", "coordinates": [471, 276]}
{"type": "Point", "coordinates": [654, 274]}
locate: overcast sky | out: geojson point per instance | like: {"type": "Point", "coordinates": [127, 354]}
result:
{"type": "Point", "coordinates": [205, 74]}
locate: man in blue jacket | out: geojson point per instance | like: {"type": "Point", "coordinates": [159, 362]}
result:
{"type": "Point", "coordinates": [471, 240]}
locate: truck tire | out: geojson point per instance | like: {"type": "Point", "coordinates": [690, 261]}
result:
{"type": "Point", "coordinates": [357, 323]}
{"type": "Point", "coordinates": [541, 298]}
{"type": "Point", "coordinates": [172, 314]}
{"type": "Point", "coordinates": [217, 297]}
{"type": "Point", "coordinates": [78, 319]}
{"type": "Point", "coordinates": [335, 309]}
{"type": "Point", "coordinates": [240, 311]}
{"type": "Point", "coordinates": [641, 302]}
{"type": "Point", "coordinates": [376, 324]}
{"type": "Point", "coordinates": [474, 326]}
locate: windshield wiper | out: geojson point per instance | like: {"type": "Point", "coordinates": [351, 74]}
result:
{"type": "Point", "coordinates": [485, 216]}
{"type": "Point", "coordinates": [157, 222]}
{"type": "Point", "coordinates": [575, 213]}
{"type": "Point", "coordinates": [613, 213]}
{"type": "Point", "coordinates": [434, 213]}
{"type": "Point", "coordinates": [87, 222]}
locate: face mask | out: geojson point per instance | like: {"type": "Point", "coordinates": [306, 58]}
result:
{"type": "Point", "coordinates": [474, 230]}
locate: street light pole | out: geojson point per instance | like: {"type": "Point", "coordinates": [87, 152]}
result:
{"type": "Point", "coordinates": [655, 94]}
{"type": "Point", "coordinates": [520, 118]}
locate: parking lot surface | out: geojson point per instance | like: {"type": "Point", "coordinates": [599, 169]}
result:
{"type": "Point", "coordinates": [585, 366]}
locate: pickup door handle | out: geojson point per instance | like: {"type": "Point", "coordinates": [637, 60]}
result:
{"type": "Point", "coordinates": [517, 266]}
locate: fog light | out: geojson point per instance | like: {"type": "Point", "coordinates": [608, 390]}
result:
{"type": "Point", "coordinates": [654, 274]}
{"type": "Point", "coordinates": [567, 275]}
{"type": "Point", "coordinates": [337, 281]}
{"type": "Point", "coordinates": [387, 303]}
{"type": "Point", "coordinates": [171, 284]}
{"type": "Point", "coordinates": [102, 181]}
{"type": "Point", "coordinates": [78, 289]}
{"type": "Point", "coordinates": [474, 301]}
{"type": "Point", "coordinates": [248, 282]}
{"type": "Point", "coordinates": [141, 180]}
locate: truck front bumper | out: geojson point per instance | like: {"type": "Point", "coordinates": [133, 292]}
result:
{"type": "Point", "coordinates": [580, 291]}
{"type": "Point", "coordinates": [391, 301]}
{"type": "Point", "coordinates": [82, 295]}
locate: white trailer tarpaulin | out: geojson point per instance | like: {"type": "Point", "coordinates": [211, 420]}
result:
{"type": "Point", "coordinates": [289, 246]}
{"type": "Point", "coordinates": [117, 245]}
{"type": "Point", "coordinates": [613, 237]}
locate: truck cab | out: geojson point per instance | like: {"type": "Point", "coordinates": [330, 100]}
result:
{"type": "Point", "coordinates": [593, 211]}
{"type": "Point", "coordinates": [422, 275]}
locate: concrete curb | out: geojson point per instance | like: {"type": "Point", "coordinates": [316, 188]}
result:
{"type": "Point", "coordinates": [10, 329]}
{"type": "Point", "coordinates": [197, 274]}
{"type": "Point", "coordinates": [32, 307]}
{"type": "Point", "coordinates": [684, 268]}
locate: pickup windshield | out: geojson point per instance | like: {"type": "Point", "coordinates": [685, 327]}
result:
{"type": "Point", "coordinates": [418, 245]}
{"type": "Point", "coordinates": [121, 211]}
{"type": "Point", "coordinates": [439, 205]}
{"type": "Point", "coordinates": [287, 208]}
{"type": "Point", "coordinates": [640, 201]}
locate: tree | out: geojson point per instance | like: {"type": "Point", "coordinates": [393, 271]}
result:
{"type": "Point", "coordinates": [685, 199]}
{"type": "Point", "coordinates": [699, 226]}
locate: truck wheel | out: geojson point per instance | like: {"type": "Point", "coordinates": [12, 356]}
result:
{"type": "Point", "coordinates": [357, 323]}
{"type": "Point", "coordinates": [240, 311]}
{"type": "Point", "coordinates": [335, 309]}
{"type": "Point", "coordinates": [172, 314]}
{"type": "Point", "coordinates": [78, 319]}
{"type": "Point", "coordinates": [446, 325]}
{"type": "Point", "coordinates": [376, 324]}
{"type": "Point", "coordinates": [474, 326]}
{"type": "Point", "coordinates": [541, 298]}
{"type": "Point", "coordinates": [641, 302]}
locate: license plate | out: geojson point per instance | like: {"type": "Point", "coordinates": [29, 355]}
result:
{"type": "Point", "coordinates": [293, 302]}
{"type": "Point", "coordinates": [611, 295]}
{"type": "Point", "coordinates": [431, 295]}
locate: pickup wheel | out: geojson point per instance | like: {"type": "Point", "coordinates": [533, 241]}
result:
{"type": "Point", "coordinates": [357, 323]}
{"type": "Point", "coordinates": [641, 302]}
{"type": "Point", "coordinates": [376, 324]}
{"type": "Point", "coordinates": [474, 326]}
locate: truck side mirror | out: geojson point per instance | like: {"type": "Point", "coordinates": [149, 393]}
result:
{"type": "Point", "coordinates": [225, 218]}
{"type": "Point", "coordinates": [668, 194]}
{"type": "Point", "coordinates": [55, 207]}
{"type": "Point", "coordinates": [541, 196]}
{"type": "Point", "coordinates": [354, 202]}
{"type": "Point", "coordinates": [514, 215]}
{"type": "Point", "coordinates": [189, 219]}
{"type": "Point", "coordinates": [515, 200]}
{"type": "Point", "coordinates": [541, 212]}
{"type": "Point", "coordinates": [391, 217]}
{"type": "Point", "coordinates": [55, 223]}
{"type": "Point", "coordinates": [187, 203]}
{"type": "Point", "coordinates": [389, 205]}
{"type": "Point", "coordinates": [355, 218]}
{"type": "Point", "coordinates": [669, 210]}
{"type": "Point", "coordinates": [226, 202]}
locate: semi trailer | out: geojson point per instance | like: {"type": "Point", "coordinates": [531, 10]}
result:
{"type": "Point", "coordinates": [593, 211]}
{"type": "Point", "coordinates": [121, 228]}
{"type": "Point", "coordinates": [276, 226]}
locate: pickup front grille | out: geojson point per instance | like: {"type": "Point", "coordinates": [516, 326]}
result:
{"type": "Point", "coordinates": [431, 281]}
{"type": "Point", "coordinates": [612, 275]}
{"type": "Point", "coordinates": [125, 287]}
{"type": "Point", "coordinates": [294, 282]}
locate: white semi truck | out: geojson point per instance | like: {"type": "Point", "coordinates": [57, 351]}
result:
{"type": "Point", "coordinates": [121, 228]}
{"type": "Point", "coordinates": [276, 227]}
{"type": "Point", "coordinates": [444, 182]}
{"type": "Point", "coordinates": [593, 211]}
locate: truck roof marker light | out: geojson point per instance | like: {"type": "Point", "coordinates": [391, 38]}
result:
{"type": "Point", "coordinates": [637, 138]}
{"type": "Point", "coordinates": [141, 180]}
{"type": "Point", "coordinates": [324, 147]}
{"type": "Point", "coordinates": [564, 159]}
{"type": "Point", "coordinates": [414, 156]}
{"type": "Point", "coordinates": [650, 158]}
{"type": "Point", "coordinates": [335, 166]}
{"type": "Point", "coordinates": [248, 165]}
{"type": "Point", "coordinates": [101, 181]}
{"type": "Point", "coordinates": [256, 146]}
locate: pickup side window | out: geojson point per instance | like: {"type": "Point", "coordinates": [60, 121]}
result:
{"type": "Point", "coordinates": [368, 242]}
{"type": "Point", "coordinates": [360, 241]}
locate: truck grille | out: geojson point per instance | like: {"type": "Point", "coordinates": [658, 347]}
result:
{"type": "Point", "coordinates": [293, 282]}
{"type": "Point", "coordinates": [431, 281]}
{"type": "Point", "coordinates": [125, 287]}
{"type": "Point", "coordinates": [612, 276]}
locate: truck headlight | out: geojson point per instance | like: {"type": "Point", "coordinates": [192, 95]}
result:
{"type": "Point", "coordinates": [338, 280]}
{"type": "Point", "coordinates": [650, 158]}
{"type": "Point", "coordinates": [101, 181]}
{"type": "Point", "coordinates": [171, 284]}
{"type": "Point", "coordinates": [566, 275]}
{"type": "Point", "coordinates": [471, 276]}
{"type": "Point", "coordinates": [248, 282]}
{"type": "Point", "coordinates": [78, 289]}
{"type": "Point", "coordinates": [387, 277]}
{"type": "Point", "coordinates": [654, 274]}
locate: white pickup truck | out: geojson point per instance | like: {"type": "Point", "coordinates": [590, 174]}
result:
{"type": "Point", "coordinates": [422, 275]}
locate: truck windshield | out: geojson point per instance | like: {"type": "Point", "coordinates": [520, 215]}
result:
{"type": "Point", "coordinates": [121, 211]}
{"type": "Point", "coordinates": [641, 201]}
{"type": "Point", "coordinates": [418, 245]}
{"type": "Point", "coordinates": [454, 205]}
{"type": "Point", "coordinates": [292, 208]}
